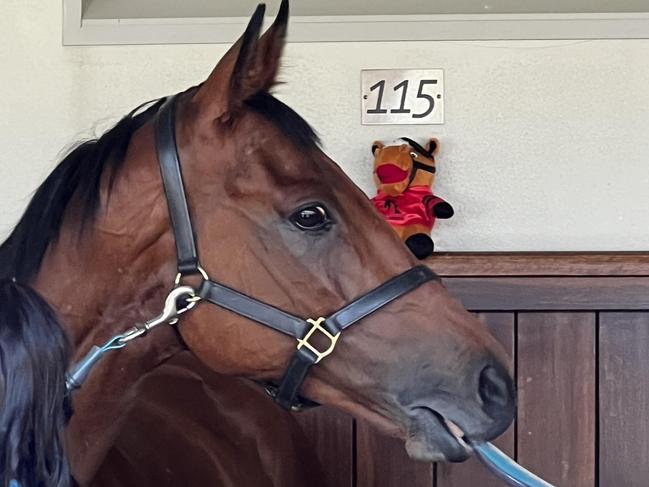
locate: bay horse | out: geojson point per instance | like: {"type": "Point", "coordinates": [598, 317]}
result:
{"type": "Point", "coordinates": [277, 222]}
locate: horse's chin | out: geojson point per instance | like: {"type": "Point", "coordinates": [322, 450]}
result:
{"type": "Point", "coordinates": [432, 438]}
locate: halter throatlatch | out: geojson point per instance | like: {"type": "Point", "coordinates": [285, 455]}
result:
{"type": "Point", "coordinates": [303, 330]}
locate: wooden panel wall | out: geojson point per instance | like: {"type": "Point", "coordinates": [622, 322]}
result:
{"type": "Point", "coordinates": [332, 434]}
{"type": "Point", "coordinates": [577, 328]}
{"type": "Point", "coordinates": [556, 393]}
{"type": "Point", "coordinates": [624, 399]}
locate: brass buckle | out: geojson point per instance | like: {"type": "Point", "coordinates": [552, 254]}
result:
{"type": "Point", "coordinates": [315, 326]}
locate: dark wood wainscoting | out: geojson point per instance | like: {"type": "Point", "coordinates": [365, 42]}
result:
{"type": "Point", "coordinates": [577, 328]}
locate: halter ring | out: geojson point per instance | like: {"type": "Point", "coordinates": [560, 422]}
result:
{"type": "Point", "coordinates": [200, 270]}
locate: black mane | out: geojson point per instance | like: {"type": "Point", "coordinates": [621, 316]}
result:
{"type": "Point", "coordinates": [79, 174]}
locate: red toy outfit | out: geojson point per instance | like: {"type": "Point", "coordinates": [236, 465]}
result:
{"type": "Point", "coordinates": [412, 207]}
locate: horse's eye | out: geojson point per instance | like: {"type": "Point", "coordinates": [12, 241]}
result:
{"type": "Point", "coordinates": [312, 217]}
{"type": "Point", "coordinates": [413, 155]}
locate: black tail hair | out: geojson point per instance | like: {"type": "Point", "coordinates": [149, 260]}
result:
{"type": "Point", "coordinates": [34, 355]}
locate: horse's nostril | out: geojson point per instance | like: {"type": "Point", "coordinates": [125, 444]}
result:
{"type": "Point", "coordinates": [496, 390]}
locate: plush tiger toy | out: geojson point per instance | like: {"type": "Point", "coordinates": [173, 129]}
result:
{"type": "Point", "coordinates": [404, 173]}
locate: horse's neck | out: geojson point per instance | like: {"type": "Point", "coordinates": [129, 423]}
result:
{"type": "Point", "coordinates": [113, 277]}
{"type": "Point", "coordinates": [93, 305]}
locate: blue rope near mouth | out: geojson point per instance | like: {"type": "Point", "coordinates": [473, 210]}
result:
{"type": "Point", "coordinates": [507, 469]}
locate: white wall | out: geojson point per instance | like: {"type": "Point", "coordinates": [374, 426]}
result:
{"type": "Point", "coordinates": [546, 144]}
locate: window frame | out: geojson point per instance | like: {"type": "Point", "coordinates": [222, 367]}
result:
{"type": "Point", "coordinates": [632, 25]}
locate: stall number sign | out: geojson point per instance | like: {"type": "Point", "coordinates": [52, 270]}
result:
{"type": "Point", "coordinates": [402, 96]}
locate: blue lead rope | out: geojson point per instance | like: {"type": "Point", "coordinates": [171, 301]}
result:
{"type": "Point", "coordinates": [79, 372]}
{"type": "Point", "coordinates": [507, 469]}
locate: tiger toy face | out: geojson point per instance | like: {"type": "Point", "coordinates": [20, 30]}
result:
{"type": "Point", "coordinates": [404, 163]}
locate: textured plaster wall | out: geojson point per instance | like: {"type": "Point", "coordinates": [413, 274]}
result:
{"type": "Point", "coordinates": [545, 145]}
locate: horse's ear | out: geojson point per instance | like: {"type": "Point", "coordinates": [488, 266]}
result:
{"type": "Point", "coordinates": [249, 67]}
{"type": "Point", "coordinates": [271, 46]}
{"type": "Point", "coordinates": [222, 91]}
{"type": "Point", "coordinates": [433, 146]}
{"type": "Point", "coordinates": [376, 145]}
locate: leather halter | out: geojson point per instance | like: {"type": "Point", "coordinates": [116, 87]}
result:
{"type": "Point", "coordinates": [331, 327]}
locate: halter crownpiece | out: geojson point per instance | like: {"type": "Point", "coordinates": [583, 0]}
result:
{"type": "Point", "coordinates": [303, 330]}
